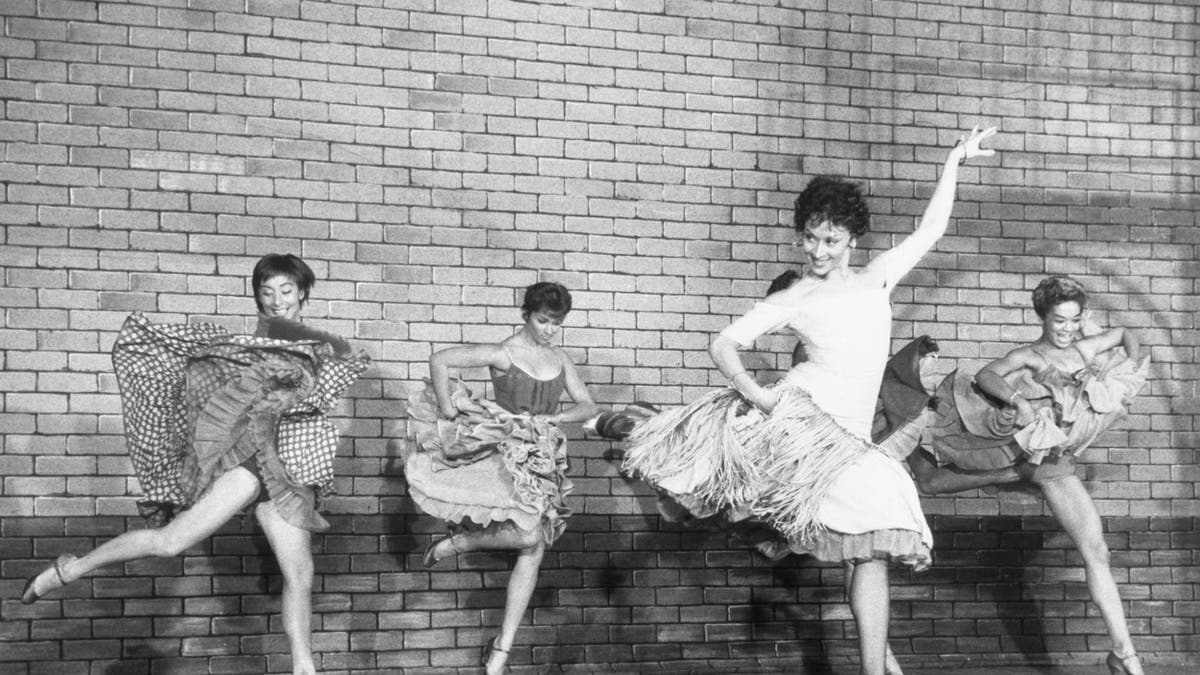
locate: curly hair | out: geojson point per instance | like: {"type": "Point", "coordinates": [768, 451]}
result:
{"type": "Point", "coordinates": [282, 264]}
{"type": "Point", "coordinates": [835, 199]}
{"type": "Point", "coordinates": [1055, 290]}
{"type": "Point", "coordinates": [546, 296]}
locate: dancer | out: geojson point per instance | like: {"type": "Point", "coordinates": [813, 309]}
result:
{"type": "Point", "coordinates": [797, 455]}
{"type": "Point", "coordinates": [496, 471]}
{"type": "Point", "coordinates": [216, 423]}
{"type": "Point", "coordinates": [1028, 415]}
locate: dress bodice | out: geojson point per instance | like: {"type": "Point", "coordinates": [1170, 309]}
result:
{"type": "Point", "coordinates": [519, 392]}
{"type": "Point", "coordinates": [846, 332]}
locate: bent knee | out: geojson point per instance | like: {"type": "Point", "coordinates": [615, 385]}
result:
{"type": "Point", "coordinates": [532, 542]}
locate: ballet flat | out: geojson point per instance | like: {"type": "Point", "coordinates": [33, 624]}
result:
{"type": "Point", "coordinates": [30, 594]}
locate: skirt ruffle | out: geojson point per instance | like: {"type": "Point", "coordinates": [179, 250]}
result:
{"type": "Point", "coordinates": [902, 546]}
{"type": "Point", "coordinates": [722, 455]}
{"type": "Point", "coordinates": [486, 465]}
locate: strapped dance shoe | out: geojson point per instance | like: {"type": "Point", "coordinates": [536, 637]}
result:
{"type": "Point", "coordinates": [486, 654]}
{"type": "Point", "coordinates": [1124, 665]}
{"type": "Point", "coordinates": [431, 557]}
{"type": "Point", "coordinates": [31, 594]}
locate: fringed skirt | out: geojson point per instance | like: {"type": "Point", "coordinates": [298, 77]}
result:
{"type": "Point", "coordinates": [486, 465]}
{"type": "Point", "coordinates": [826, 491]}
{"type": "Point", "coordinates": [198, 402]}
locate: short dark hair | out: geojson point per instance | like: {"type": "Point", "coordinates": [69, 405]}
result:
{"type": "Point", "coordinates": [835, 199]}
{"type": "Point", "coordinates": [546, 296]}
{"type": "Point", "coordinates": [285, 264]}
{"type": "Point", "coordinates": [1055, 290]}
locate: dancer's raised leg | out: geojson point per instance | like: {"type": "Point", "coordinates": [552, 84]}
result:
{"type": "Point", "coordinates": [229, 493]}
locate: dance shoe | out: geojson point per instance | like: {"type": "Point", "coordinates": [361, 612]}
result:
{"type": "Point", "coordinates": [486, 655]}
{"type": "Point", "coordinates": [1124, 665]}
{"type": "Point", "coordinates": [31, 594]}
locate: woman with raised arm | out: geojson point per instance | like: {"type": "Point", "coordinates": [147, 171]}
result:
{"type": "Point", "coordinates": [1027, 416]}
{"type": "Point", "coordinates": [798, 454]}
{"type": "Point", "coordinates": [217, 423]}
{"type": "Point", "coordinates": [496, 470]}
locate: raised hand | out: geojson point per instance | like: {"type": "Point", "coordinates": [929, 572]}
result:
{"type": "Point", "coordinates": [970, 143]}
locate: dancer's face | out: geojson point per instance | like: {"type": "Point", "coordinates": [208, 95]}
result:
{"type": "Point", "coordinates": [1060, 326]}
{"type": "Point", "coordinates": [542, 327]}
{"type": "Point", "coordinates": [826, 247]}
{"type": "Point", "coordinates": [280, 296]}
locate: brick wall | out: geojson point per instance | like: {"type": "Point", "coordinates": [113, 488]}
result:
{"type": "Point", "coordinates": [432, 157]}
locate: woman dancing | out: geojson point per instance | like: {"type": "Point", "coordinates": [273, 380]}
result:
{"type": "Point", "coordinates": [1027, 416]}
{"type": "Point", "coordinates": [797, 455]}
{"type": "Point", "coordinates": [496, 471]}
{"type": "Point", "coordinates": [216, 423]}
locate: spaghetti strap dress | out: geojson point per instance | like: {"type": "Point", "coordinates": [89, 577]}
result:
{"type": "Point", "coordinates": [497, 461]}
{"type": "Point", "coordinates": [199, 401]}
{"type": "Point", "coordinates": [808, 468]}
{"type": "Point", "coordinates": [974, 432]}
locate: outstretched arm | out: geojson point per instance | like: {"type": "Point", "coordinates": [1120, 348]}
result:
{"type": "Point", "coordinates": [904, 256]}
{"type": "Point", "coordinates": [466, 356]}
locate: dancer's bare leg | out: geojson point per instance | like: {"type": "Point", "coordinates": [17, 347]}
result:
{"type": "Point", "coordinates": [1075, 510]}
{"type": "Point", "coordinates": [229, 493]}
{"type": "Point", "coordinates": [932, 479]}
{"type": "Point", "coordinates": [293, 549]}
{"type": "Point", "coordinates": [891, 666]}
{"type": "Point", "coordinates": [531, 547]}
{"type": "Point", "coordinates": [521, 585]}
{"type": "Point", "coordinates": [870, 604]}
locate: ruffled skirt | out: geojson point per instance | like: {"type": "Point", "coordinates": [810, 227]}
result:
{"type": "Point", "coordinates": [486, 465]}
{"type": "Point", "coordinates": [827, 492]}
{"type": "Point", "coordinates": [973, 433]}
{"type": "Point", "coordinates": [198, 402]}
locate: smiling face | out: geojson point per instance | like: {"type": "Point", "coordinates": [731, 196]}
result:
{"type": "Point", "coordinates": [826, 247]}
{"type": "Point", "coordinates": [280, 295]}
{"type": "Point", "coordinates": [1061, 324]}
{"type": "Point", "coordinates": [542, 327]}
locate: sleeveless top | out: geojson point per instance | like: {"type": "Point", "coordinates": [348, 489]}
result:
{"type": "Point", "coordinates": [519, 392]}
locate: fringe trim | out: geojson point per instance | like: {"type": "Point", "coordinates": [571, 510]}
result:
{"type": "Point", "coordinates": [779, 466]}
{"type": "Point", "coordinates": [705, 432]}
{"type": "Point", "coordinates": [809, 449]}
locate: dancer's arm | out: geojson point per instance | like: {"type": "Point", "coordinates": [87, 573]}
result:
{"type": "Point", "coordinates": [466, 356]}
{"type": "Point", "coordinates": [991, 379]}
{"type": "Point", "coordinates": [585, 407]}
{"type": "Point", "coordinates": [280, 328]}
{"type": "Point", "coordinates": [898, 261]}
{"type": "Point", "coordinates": [1106, 340]}
{"type": "Point", "coordinates": [724, 353]}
